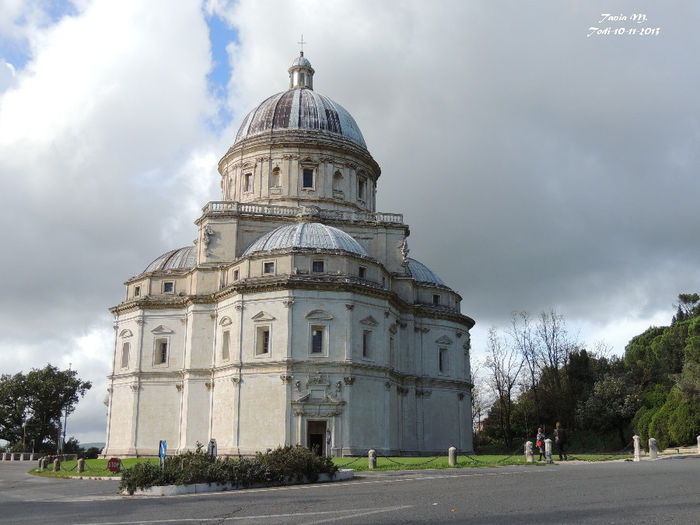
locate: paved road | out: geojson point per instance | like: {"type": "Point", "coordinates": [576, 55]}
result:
{"type": "Point", "coordinates": [665, 491]}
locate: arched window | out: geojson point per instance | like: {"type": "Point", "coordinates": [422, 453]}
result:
{"type": "Point", "coordinates": [275, 178]}
{"type": "Point", "coordinates": [337, 181]}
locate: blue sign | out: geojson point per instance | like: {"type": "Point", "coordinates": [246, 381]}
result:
{"type": "Point", "coordinates": [162, 448]}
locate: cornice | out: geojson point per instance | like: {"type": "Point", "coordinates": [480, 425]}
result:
{"type": "Point", "coordinates": [295, 282]}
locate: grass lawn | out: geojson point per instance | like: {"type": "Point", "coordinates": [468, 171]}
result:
{"type": "Point", "coordinates": [93, 467]}
{"type": "Point", "coordinates": [98, 467]}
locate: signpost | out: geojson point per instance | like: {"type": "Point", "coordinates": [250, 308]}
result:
{"type": "Point", "coordinates": [114, 464]}
{"type": "Point", "coordinates": [162, 449]}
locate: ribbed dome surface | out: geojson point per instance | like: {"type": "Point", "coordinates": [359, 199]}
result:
{"type": "Point", "coordinates": [302, 109]}
{"type": "Point", "coordinates": [306, 235]}
{"type": "Point", "coordinates": [422, 274]}
{"type": "Point", "coordinates": [180, 259]}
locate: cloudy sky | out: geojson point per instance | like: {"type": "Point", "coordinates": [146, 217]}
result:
{"type": "Point", "coordinates": [538, 167]}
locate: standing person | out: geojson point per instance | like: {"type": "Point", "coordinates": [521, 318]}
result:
{"type": "Point", "coordinates": [540, 442]}
{"type": "Point", "coordinates": [560, 440]}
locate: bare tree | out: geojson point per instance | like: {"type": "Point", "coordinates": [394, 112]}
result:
{"type": "Point", "coordinates": [505, 364]}
{"type": "Point", "coordinates": [480, 399]}
{"type": "Point", "coordinates": [554, 346]}
{"type": "Point", "coordinates": [524, 339]}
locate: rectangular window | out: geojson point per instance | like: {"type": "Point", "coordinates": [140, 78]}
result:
{"type": "Point", "coordinates": [263, 341]}
{"type": "Point", "coordinates": [235, 275]}
{"type": "Point", "coordinates": [137, 291]}
{"type": "Point", "coordinates": [317, 266]}
{"type": "Point", "coordinates": [248, 182]}
{"type": "Point", "coordinates": [363, 272]}
{"type": "Point", "coordinates": [361, 188]}
{"type": "Point", "coordinates": [225, 345]}
{"type": "Point", "coordinates": [366, 340]}
{"type": "Point", "coordinates": [161, 351]}
{"type": "Point", "coordinates": [168, 287]}
{"type": "Point", "coordinates": [308, 178]}
{"type": "Point", "coordinates": [269, 267]}
{"type": "Point", "coordinates": [436, 299]}
{"type": "Point", "coordinates": [125, 355]}
{"type": "Point", "coordinates": [442, 360]}
{"type": "Point", "coordinates": [392, 353]}
{"type": "Point", "coordinates": [317, 340]}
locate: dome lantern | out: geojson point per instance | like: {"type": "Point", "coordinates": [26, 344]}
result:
{"type": "Point", "coordinates": [301, 74]}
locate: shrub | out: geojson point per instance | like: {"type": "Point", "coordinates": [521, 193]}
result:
{"type": "Point", "coordinates": [278, 466]}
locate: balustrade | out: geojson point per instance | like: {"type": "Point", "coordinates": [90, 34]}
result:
{"type": "Point", "coordinates": [217, 207]}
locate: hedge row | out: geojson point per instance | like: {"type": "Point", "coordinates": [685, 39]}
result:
{"type": "Point", "coordinates": [274, 467]}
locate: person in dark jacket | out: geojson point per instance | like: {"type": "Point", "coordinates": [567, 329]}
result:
{"type": "Point", "coordinates": [560, 441]}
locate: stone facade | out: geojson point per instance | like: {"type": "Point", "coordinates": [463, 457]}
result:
{"type": "Point", "coordinates": [330, 336]}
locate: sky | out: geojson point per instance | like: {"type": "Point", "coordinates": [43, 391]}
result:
{"type": "Point", "coordinates": [540, 165]}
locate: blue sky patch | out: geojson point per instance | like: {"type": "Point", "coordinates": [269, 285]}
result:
{"type": "Point", "coordinates": [220, 35]}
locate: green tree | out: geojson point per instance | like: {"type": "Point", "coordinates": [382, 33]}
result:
{"type": "Point", "coordinates": [32, 404]}
{"type": "Point", "coordinates": [611, 406]}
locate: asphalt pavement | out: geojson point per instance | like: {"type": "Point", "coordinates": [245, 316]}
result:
{"type": "Point", "coordinates": [663, 491]}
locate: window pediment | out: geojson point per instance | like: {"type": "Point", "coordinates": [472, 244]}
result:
{"type": "Point", "coordinates": [319, 315]}
{"type": "Point", "coordinates": [444, 340]}
{"type": "Point", "coordinates": [126, 333]}
{"type": "Point", "coordinates": [162, 330]}
{"type": "Point", "coordinates": [263, 316]}
{"type": "Point", "coordinates": [225, 321]}
{"type": "Point", "coordinates": [369, 321]}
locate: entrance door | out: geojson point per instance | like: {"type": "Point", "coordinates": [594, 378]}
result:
{"type": "Point", "coordinates": [316, 436]}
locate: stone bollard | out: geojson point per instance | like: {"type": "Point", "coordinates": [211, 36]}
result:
{"type": "Point", "coordinates": [81, 465]}
{"type": "Point", "coordinates": [56, 465]}
{"type": "Point", "coordinates": [653, 449]}
{"type": "Point", "coordinates": [529, 456]}
{"type": "Point", "coordinates": [40, 466]}
{"type": "Point", "coordinates": [548, 450]}
{"type": "Point", "coordinates": [372, 459]}
{"type": "Point", "coordinates": [637, 448]}
{"type": "Point", "coordinates": [698, 444]}
{"type": "Point", "coordinates": [452, 456]}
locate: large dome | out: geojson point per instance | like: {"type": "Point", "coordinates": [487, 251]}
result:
{"type": "Point", "coordinates": [306, 235]}
{"type": "Point", "coordinates": [300, 108]}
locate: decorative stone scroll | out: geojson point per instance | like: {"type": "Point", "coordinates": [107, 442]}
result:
{"type": "Point", "coordinates": [286, 379]}
{"type": "Point", "coordinates": [349, 380]}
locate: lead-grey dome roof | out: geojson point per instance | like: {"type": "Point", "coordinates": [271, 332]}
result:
{"type": "Point", "coordinates": [422, 274]}
{"type": "Point", "coordinates": [180, 259]}
{"type": "Point", "coordinates": [302, 109]}
{"type": "Point", "coordinates": [306, 235]}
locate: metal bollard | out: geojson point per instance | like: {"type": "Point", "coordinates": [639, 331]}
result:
{"type": "Point", "coordinates": [372, 459]}
{"type": "Point", "coordinates": [452, 456]}
{"type": "Point", "coordinates": [56, 465]}
{"type": "Point", "coordinates": [653, 449]}
{"type": "Point", "coordinates": [637, 448]}
{"type": "Point", "coordinates": [548, 450]}
{"type": "Point", "coordinates": [81, 465]}
{"type": "Point", "coordinates": [529, 456]}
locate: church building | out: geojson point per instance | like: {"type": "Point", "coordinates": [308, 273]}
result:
{"type": "Point", "coordinates": [297, 317]}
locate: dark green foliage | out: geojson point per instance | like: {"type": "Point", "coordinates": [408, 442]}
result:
{"type": "Point", "coordinates": [274, 467]}
{"type": "Point", "coordinates": [38, 398]}
{"type": "Point", "coordinates": [611, 405]}
{"type": "Point", "coordinates": [92, 453]}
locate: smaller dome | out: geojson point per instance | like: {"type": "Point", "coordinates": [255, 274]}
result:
{"type": "Point", "coordinates": [306, 235]}
{"type": "Point", "coordinates": [301, 61]}
{"type": "Point", "coordinates": [180, 259]}
{"type": "Point", "coordinates": [422, 274]}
